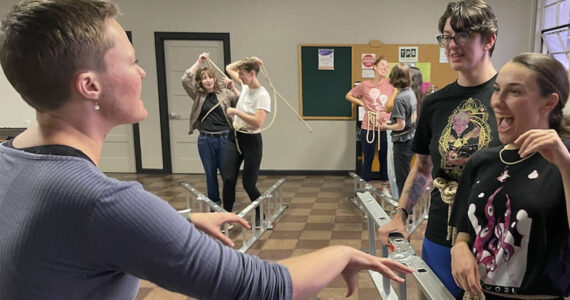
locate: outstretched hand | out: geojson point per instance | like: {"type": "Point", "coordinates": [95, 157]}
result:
{"type": "Point", "coordinates": [362, 261]}
{"type": "Point", "coordinates": [547, 142]}
{"type": "Point", "coordinates": [211, 223]}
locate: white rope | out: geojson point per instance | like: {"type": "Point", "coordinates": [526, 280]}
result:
{"type": "Point", "coordinates": [372, 116]}
{"type": "Point", "coordinates": [276, 95]}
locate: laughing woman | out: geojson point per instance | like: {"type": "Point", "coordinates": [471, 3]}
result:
{"type": "Point", "coordinates": [511, 208]}
{"type": "Point", "coordinates": [373, 95]}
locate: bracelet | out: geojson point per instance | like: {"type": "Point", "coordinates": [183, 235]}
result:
{"type": "Point", "coordinates": [401, 210]}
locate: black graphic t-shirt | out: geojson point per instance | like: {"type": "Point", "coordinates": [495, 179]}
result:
{"type": "Point", "coordinates": [517, 220]}
{"type": "Point", "coordinates": [454, 122]}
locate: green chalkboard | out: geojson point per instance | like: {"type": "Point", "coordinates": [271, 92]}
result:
{"type": "Point", "coordinates": [323, 91]}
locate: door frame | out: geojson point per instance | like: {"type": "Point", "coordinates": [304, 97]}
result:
{"type": "Point", "coordinates": [159, 39]}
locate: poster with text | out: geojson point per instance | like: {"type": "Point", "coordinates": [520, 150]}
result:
{"type": "Point", "coordinates": [368, 65]}
{"type": "Point", "coordinates": [326, 59]}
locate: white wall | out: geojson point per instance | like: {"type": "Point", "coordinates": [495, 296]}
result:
{"type": "Point", "coordinates": [272, 30]}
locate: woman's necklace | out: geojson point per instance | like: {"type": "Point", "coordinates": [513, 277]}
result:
{"type": "Point", "coordinates": [510, 163]}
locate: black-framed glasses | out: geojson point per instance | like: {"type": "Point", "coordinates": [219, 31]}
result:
{"type": "Point", "coordinates": [460, 39]}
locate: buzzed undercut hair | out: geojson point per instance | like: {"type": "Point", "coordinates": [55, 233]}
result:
{"type": "Point", "coordinates": [45, 43]}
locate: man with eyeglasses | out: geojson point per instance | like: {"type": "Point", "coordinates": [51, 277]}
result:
{"type": "Point", "coordinates": [454, 122]}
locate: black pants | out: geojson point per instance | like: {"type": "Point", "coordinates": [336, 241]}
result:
{"type": "Point", "coordinates": [251, 147]}
{"type": "Point", "coordinates": [402, 157]}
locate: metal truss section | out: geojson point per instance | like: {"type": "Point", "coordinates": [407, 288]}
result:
{"type": "Point", "coordinates": [270, 204]}
{"type": "Point", "coordinates": [388, 203]}
{"type": "Point", "coordinates": [431, 287]}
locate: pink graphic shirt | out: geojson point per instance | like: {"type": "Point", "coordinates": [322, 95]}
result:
{"type": "Point", "coordinates": [374, 96]}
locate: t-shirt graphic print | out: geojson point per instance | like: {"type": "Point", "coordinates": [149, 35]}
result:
{"type": "Point", "coordinates": [467, 131]}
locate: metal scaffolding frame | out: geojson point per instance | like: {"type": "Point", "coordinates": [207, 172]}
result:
{"type": "Point", "coordinates": [270, 204]}
{"type": "Point", "coordinates": [430, 286]}
{"type": "Point", "coordinates": [416, 216]}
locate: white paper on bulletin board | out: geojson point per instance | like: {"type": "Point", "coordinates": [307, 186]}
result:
{"type": "Point", "coordinates": [408, 54]}
{"type": "Point", "coordinates": [326, 59]}
{"type": "Point", "coordinates": [368, 64]}
{"type": "Point", "coordinates": [361, 112]}
{"type": "Point", "coordinates": [442, 57]}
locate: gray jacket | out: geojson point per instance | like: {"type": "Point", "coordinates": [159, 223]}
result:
{"type": "Point", "coordinates": [226, 98]}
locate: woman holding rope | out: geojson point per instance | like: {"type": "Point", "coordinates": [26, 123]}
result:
{"type": "Point", "coordinates": [373, 95]}
{"type": "Point", "coordinates": [245, 144]}
{"type": "Point", "coordinates": [208, 115]}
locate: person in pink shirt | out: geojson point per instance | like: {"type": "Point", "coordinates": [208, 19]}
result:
{"type": "Point", "coordinates": [373, 95]}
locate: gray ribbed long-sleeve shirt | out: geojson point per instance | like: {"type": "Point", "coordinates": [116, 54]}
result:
{"type": "Point", "coordinates": [69, 232]}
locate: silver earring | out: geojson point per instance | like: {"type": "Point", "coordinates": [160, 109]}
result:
{"type": "Point", "coordinates": [97, 107]}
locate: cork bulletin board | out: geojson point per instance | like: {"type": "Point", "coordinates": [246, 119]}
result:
{"type": "Point", "coordinates": [322, 91]}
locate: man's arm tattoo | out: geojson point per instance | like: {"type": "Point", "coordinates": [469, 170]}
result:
{"type": "Point", "coordinates": [416, 191]}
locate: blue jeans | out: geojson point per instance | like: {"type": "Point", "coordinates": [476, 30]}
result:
{"type": "Point", "coordinates": [438, 258]}
{"type": "Point", "coordinates": [368, 152]}
{"type": "Point", "coordinates": [211, 149]}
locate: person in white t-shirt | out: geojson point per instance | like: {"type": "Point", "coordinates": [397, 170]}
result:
{"type": "Point", "coordinates": [245, 144]}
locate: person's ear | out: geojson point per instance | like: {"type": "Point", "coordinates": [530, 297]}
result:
{"type": "Point", "coordinates": [550, 103]}
{"type": "Point", "coordinates": [87, 85]}
{"type": "Point", "coordinates": [490, 41]}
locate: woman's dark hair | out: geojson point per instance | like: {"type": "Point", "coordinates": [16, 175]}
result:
{"type": "Point", "coordinates": [470, 16]}
{"type": "Point", "coordinates": [551, 77]}
{"type": "Point", "coordinates": [400, 76]}
{"type": "Point", "coordinates": [417, 87]}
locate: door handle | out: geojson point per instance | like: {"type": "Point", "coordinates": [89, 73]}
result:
{"type": "Point", "coordinates": [173, 116]}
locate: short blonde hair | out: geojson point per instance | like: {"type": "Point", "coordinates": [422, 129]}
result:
{"type": "Point", "coordinates": [249, 64]}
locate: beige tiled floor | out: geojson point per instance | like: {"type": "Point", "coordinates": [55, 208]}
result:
{"type": "Point", "coordinates": [319, 215]}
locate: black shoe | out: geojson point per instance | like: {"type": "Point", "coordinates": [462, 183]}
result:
{"type": "Point", "coordinates": [257, 222]}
